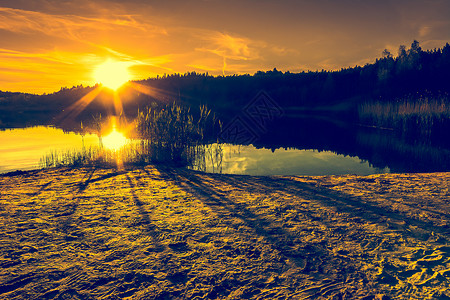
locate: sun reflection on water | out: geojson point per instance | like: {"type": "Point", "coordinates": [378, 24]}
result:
{"type": "Point", "coordinates": [114, 140]}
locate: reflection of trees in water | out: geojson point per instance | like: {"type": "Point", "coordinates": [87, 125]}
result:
{"type": "Point", "coordinates": [400, 152]}
{"type": "Point", "coordinates": [209, 158]}
{"type": "Point", "coordinates": [381, 148]}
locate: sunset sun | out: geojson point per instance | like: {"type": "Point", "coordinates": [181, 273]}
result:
{"type": "Point", "coordinates": [112, 74]}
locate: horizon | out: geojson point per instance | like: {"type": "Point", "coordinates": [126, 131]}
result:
{"type": "Point", "coordinates": [49, 44]}
{"type": "Point", "coordinates": [162, 76]}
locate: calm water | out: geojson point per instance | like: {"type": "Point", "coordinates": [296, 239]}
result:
{"type": "Point", "coordinates": [21, 149]}
{"type": "Point", "coordinates": [248, 160]}
{"type": "Point", "coordinates": [293, 147]}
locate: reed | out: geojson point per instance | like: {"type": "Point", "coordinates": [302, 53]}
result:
{"type": "Point", "coordinates": [92, 156]}
{"type": "Point", "coordinates": [170, 134]}
{"type": "Point", "coordinates": [421, 115]}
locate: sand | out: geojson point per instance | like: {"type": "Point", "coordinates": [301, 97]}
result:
{"type": "Point", "coordinates": [162, 233]}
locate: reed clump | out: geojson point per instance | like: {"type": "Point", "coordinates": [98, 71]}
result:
{"type": "Point", "coordinates": [96, 156]}
{"type": "Point", "coordinates": [168, 134]}
{"type": "Point", "coordinates": [419, 116]}
{"type": "Point", "coordinates": [173, 134]}
{"type": "Point", "coordinates": [73, 158]}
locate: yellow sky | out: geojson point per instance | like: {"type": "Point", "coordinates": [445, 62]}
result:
{"type": "Point", "coordinates": [48, 44]}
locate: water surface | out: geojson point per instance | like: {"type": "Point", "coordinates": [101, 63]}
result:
{"type": "Point", "coordinates": [22, 148]}
{"type": "Point", "coordinates": [289, 149]}
{"type": "Point", "coordinates": [248, 160]}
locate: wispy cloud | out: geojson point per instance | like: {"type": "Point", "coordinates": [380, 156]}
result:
{"type": "Point", "coordinates": [47, 44]}
{"type": "Point", "coordinates": [54, 57]}
{"type": "Point", "coordinates": [68, 26]}
{"type": "Point", "coordinates": [229, 46]}
{"type": "Point", "coordinates": [60, 42]}
{"type": "Point", "coordinates": [424, 31]}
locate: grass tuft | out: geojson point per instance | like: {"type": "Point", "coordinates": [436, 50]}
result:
{"type": "Point", "coordinates": [169, 134]}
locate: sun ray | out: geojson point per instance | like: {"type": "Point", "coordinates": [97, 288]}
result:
{"type": "Point", "coordinates": [118, 107]}
{"type": "Point", "coordinates": [76, 108]}
{"type": "Point", "coordinates": [153, 92]}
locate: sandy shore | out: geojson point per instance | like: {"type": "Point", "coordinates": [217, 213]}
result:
{"type": "Point", "coordinates": [159, 233]}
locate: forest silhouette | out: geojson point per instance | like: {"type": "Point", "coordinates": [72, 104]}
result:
{"type": "Point", "coordinates": [412, 73]}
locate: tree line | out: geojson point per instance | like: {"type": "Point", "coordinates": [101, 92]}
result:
{"type": "Point", "coordinates": [411, 71]}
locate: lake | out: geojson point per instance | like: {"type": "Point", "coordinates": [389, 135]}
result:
{"type": "Point", "coordinates": [21, 149]}
{"type": "Point", "coordinates": [298, 147]}
{"type": "Point", "coordinates": [248, 160]}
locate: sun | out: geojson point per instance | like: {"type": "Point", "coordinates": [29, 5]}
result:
{"type": "Point", "coordinates": [112, 74]}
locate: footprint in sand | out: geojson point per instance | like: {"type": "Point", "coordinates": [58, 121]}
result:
{"type": "Point", "coordinates": [424, 279]}
{"type": "Point", "coordinates": [432, 260]}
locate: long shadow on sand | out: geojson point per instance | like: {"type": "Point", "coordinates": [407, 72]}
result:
{"type": "Point", "coordinates": [88, 178]}
{"type": "Point", "coordinates": [41, 189]}
{"type": "Point", "coordinates": [326, 203]}
{"type": "Point", "coordinates": [306, 258]}
{"type": "Point", "coordinates": [359, 207]}
{"type": "Point", "coordinates": [353, 205]}
{"type": "Point", "coordinates": [145, 217]}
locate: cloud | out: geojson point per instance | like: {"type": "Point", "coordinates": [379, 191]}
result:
{"type": "Point", "coordinates": [65, 48]}
{"type": "Point", "coordinates": [240, 54]}
{"type": "Point", "coordinates": [61, 40]}
{"type": "Point", "coordinates": [205, 68]}
{"type": "Point", "coordinates": [424, 31]}
{"type": "Point", "coordinates": [68, 26]}
{"type": "Point", "coordinates": [228, 46]}
{"type": "Point", "coordinates": [231, 46]}
{"type": "Point", "coordinates": [53, 57]}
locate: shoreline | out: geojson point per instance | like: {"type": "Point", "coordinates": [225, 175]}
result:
{"type": "Point", "coordinates": [155, 233]}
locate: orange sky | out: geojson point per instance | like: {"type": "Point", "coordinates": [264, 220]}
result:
{"type": "Point", "coordinates": [48, 44]}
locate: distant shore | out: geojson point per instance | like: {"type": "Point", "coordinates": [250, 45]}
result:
{"type": "Point", "coordinates": [157, 233]}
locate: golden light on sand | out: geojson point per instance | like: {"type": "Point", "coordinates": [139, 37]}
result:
{"type": "Point", "coordinates": [112, 74]}
{"type": "Point", "coordinates": [115, 140]}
